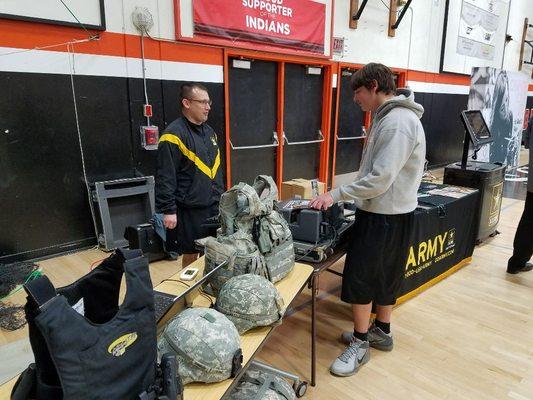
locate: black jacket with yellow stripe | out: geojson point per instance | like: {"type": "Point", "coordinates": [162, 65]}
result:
{"type": "Point", "coordinates": [188, 167]}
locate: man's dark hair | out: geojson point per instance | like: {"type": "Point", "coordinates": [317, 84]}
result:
{"type": "Point", "coordinates": [187, 88]}
{"type": "Point", "coordinates": [373, 71]}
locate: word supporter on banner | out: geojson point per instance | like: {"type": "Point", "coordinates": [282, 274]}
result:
{"type": "Point", "coordinates": [295, 24]}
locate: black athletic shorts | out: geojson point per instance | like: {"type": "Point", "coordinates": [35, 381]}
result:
{"type": "Point", "coordinates": [189, 228]}
{"type": "Point", "coordinates": [376, 258]}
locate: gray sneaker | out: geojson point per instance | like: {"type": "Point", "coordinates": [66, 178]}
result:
{"type": "Point", "coordinates": [348, 363]}
{"type": "Point", "coordinates": [376, 337]}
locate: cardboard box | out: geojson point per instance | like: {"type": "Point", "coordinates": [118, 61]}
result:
{"type": "Point", "coordinates": [300, 188]}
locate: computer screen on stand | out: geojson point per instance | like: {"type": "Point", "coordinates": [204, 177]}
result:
{"type": "Point", "coordinates": [476, 131]}
{"type": "Point", "coordinates": [477, 128]}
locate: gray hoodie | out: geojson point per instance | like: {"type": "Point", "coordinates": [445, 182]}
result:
{"type": "Point", "coordinates": [393, 159]}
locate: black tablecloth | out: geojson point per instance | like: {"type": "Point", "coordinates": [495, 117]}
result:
{"type": "Point", "coordinates": [444, 236]}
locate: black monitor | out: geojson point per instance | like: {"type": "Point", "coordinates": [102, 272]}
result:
{"type": "Point", "coordinates": [478, 133]}
{"type": "Point", "coordinates": [476, 127]}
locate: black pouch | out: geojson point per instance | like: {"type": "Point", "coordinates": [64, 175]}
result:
{"type": "Point", "coordinates": [25, 385]}
{"type": "Point", "coordinates": [144, 237]}
{"type": "Point", "coordinates": [236, 364]}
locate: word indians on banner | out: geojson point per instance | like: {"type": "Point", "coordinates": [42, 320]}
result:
{"type": "Point", "coordinates": [295, 24]}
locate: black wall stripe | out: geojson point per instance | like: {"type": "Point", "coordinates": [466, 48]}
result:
{"type": "Point", "coordinates": [42, 191]}
{"type": "Point", "coordinates": [442, 125]}
{"type": "Point", "coordinates": [44, 201]}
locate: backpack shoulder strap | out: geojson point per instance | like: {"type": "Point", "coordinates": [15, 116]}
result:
{"type": "Point", "coordinates": [267, 190]}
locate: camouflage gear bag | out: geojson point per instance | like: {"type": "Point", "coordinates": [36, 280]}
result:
{"type": "Point", "coordinates": [275, 244]}
{"type": "Point", "coordinates": [274, 238]}
{"type": "Point", "coordinates": [259, 385]}
{"type": "Point", "coordinates": [249, 301]}
{"type": "Point", "coordinates": [238, 208]}
{"type": "Point", "coordinates": [206, 343]}
{"type": "Point", "coordinates": [241, 253]}
{"type": "Point", "coordinates": [247, 217]}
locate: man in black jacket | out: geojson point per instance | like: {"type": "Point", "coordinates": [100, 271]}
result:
{"type": "Point", "coordinates": [189, 177]}
{"type": "Point", "coordinates": [523, 240]}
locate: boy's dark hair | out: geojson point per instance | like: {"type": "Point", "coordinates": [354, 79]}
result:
{"type": "Point", "coordinates": [187, 88]}
{"type": "Point", "coordinates": [374, 71]}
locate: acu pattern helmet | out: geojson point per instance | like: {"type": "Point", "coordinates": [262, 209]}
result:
{"type": "Point", "coordinates": [206, 344]}
{"type": "Point", "coordinates": [250, 300]}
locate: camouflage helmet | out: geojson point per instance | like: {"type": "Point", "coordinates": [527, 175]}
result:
{"type": "Point", "coordinates": [250, 300]}
{"type": "Point", "coordinates": [259, 385]}
{"type": "Point", "coordinates": [206, 344]}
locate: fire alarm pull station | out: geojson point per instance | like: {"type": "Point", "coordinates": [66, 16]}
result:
{"type": "Point", "coordinates": [149, 137]}
{"type": "Point", "coordinates": [147, 110]}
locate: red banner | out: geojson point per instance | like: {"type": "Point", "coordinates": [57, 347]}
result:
{"type": "Point", "coordinates": [296, 24]}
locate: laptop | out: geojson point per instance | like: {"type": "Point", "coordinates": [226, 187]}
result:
{"type": "Point", "coordinates": [163, 302]}
{"type": "Point", "coordinates": [168, 305]}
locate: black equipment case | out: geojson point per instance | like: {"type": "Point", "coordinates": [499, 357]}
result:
{"type": "Point", "coordinates": [144, 237]}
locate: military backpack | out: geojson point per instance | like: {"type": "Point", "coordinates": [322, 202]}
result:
{"type": "Point", "coordinates": [253, 236]}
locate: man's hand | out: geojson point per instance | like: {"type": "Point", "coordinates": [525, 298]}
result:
{"type": "Point", "coordinates": [322, 202]}
{"type": "Point", "coordinates": [170, 221]}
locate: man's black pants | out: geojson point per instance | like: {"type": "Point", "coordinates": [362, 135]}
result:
{"type": "Point", "coordinates": [523, 240]}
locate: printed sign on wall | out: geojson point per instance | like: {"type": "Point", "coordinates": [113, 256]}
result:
{"type": "Point", "coordinates": [477, 29]}
{"type": "Point", "coordinates": [295, 24]}
{"type": "Point", "coordinates": [474, 34]}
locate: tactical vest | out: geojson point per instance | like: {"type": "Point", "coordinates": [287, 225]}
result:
{"type": "Point", "coordinates": [253, 236]}
{"type": "Point", "coordinates": [85, 345]}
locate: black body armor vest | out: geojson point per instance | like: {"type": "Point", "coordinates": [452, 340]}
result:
{"type": "Point", "coordinates": [85, 345]}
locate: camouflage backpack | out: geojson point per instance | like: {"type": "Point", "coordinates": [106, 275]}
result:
{"type": "Point", "coordinates": [253, 236]}
{"type": "Point", "coordinates": [238, 208]}
{"type": "Point", "coordinates": [273, 236]}
{"type": "Point", "coordinates": [206, 343]}
{"type": "Point", "coordinates": [249, 301]}
{"type": "Point", "coordinates": [242, 254]}
{"type": "Point", "coordinates": [258, 385]}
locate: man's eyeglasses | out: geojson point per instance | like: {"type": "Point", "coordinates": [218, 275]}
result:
{"type": "Point", "coordinates": [203, 102]}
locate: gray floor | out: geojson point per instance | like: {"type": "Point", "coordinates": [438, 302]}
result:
{"type": "Point", "coordinates": [15, 358]}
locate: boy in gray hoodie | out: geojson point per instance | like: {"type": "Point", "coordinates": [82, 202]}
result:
{"type": "Point", "coordinates": [385, 193]}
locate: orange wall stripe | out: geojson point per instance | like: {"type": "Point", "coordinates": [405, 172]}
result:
{"type": "Point", "coordinates": [326, 124]}
{"type": "Point", "coordinates": [450, 79]}
{"type": "Point", "coordinates": [28, 35]}
{"type": "Point", "coordinates": [338, 71]}
{"type": "Point", "coordinates": [196, 54]}
{"type": "Point", "coordinates": [277, 57]}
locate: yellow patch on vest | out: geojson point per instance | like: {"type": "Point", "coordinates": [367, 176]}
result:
{"type": "Point", "coordinates": [119, 346]}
